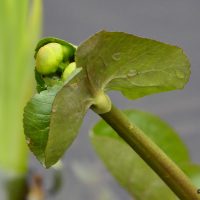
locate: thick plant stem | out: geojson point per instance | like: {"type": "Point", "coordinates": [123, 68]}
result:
{"type": "Point", "coordinates": [168, 171]}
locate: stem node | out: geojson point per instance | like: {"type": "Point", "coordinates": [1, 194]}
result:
{"type": "Point", "coordinates": [102, 103]}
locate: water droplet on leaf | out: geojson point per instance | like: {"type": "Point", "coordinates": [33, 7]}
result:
{"type": "Point", "coordinates": [180, 74]}
{"type": "Point", "coordinates": [53, 110]}
{"type": "Point", "coordinates": [132, 72]}
{"type": "Point", "coordinates": [116, 56]}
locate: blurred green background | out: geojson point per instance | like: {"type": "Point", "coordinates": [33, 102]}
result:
{"type": "Point", "coordinates": [20, 28]}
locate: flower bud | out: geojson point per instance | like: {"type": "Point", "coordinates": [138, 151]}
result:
{"type": "Point", "coordinates": [51, 56]}
{"type": "Point", "coordinates": [68, 70]}
{"type": "Point", "coordinates": [68, 52]}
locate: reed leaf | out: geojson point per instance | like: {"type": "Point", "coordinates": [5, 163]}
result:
{"type": "Point", "coordinates": [20, 23]}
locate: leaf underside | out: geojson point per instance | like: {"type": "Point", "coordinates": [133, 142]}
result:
{"type": "Point", "coordinates": [69, 109]}
{"type": "Point", "coordinates": [53, 117]}
{"type": "Point", "coordinates": [133, 65]}
{"type": "Point", "coordinates": [37, 116]}
{"type": "Point", "coordinates": [110, 61]}
{"type": "Point", "coordinates": [129, 169]}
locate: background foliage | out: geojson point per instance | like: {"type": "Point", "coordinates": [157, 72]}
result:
{"type": "Point", "coordinates": [20, 27]}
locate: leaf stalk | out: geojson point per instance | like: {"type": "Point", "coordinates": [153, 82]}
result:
{"type": "Point", "coordinates": [168, 171]}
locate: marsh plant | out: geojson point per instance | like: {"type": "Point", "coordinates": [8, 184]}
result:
{"type": "Point", "coordinates": [20, 23]}
{"type": "Point", "coordinates": [143, 153]}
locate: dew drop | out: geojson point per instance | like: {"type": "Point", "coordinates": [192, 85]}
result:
{"type": "Point", "coordinates": [132, 72]}
{"type": "Point", "coordinates": [180, 74]}
{"type": "Point", "coordinates": [54, 110]}
{"type": "Point", "coordinates": [116, 56]}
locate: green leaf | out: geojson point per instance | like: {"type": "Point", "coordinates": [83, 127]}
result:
{"type": "Point", "coordinates": [12, 186]}
{"type": "Point", "coordinates": [35, 20]}
{"type": "Point", "coordinates": [18, 35]}
{"type": "Point", "coordinates": [129, 169]}
{"type": "Point", "coordinates": [40, 82]}
{"type": "Point", "coordinates": [52, 118]}
{"type": "Point", "coordinates": [47, 40]}
{"type": "Point", "coordinates": [110, 60]}
{"type": "Point", "coordinates": [70, 107]}
{"type": "Point", "coordinates": [193, 171]}
{"type": "Point", "coordinates": [37, 116]}
{"type": "Point", "coordinates": [133, 65]}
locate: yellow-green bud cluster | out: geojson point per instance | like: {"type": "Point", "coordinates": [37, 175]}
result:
{"type": "Point", "coordinates": [68, 70]}
{"type": "Point", "coordinates": [54, 57]}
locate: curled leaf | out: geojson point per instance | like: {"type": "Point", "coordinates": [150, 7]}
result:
{"type": "Point", "coordinates": [69, 109]}
{"type": "Point", "coordinates": [133, 65]}
{"type": "Point", "coordinates": [48, 40]}
{"type": "Point", "coordinates": [53, 117]}
{"type": "Point", "coordinates": [110, 61]}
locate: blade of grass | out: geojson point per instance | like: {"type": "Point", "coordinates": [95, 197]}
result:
{"type": "Point", "coordinates": [16, 50]}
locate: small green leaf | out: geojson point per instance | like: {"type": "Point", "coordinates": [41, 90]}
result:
{"type": "Point", "coordinates": [69, 109]}
{"type": "Point", "coordinates": [37, 116]}
{"type": "Point", "coordinates": [129, 169]}
{"type": "Point", "coordinates": [133, 65]}
{"type": "Point", "coordinates": [40, 82]}
{"type": "Point", "coordinates": [52, 118]}
{"type": "Point", "coordinates": [48, 40]}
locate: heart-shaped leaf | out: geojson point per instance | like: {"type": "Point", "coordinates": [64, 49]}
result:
{"type": "Point", "coordinates": [133, 65]}
{"type": "Point", "coordinates": [129, 169]}
{"type": "Point", "coordinates": [52, 118]}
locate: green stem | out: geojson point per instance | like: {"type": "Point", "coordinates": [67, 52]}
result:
{"type": "Point", "coordinates": [168, 171]}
